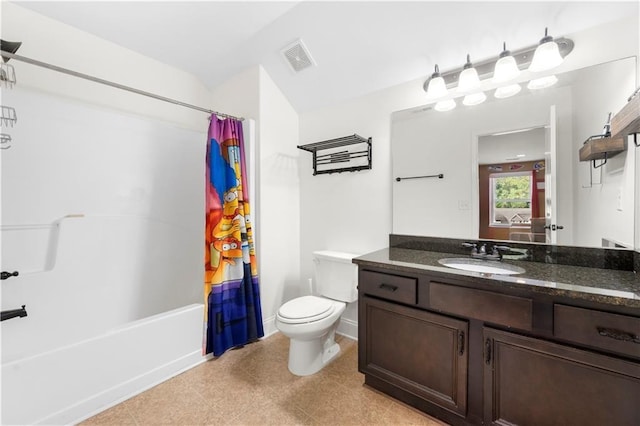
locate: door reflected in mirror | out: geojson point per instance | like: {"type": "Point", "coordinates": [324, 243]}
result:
{"type": "Point", "coordinates": [511, 185]}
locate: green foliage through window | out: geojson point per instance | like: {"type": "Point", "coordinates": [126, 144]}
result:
{"type": "Point", "coordinates": [510, 198]}
{"type": "Point", "coordinates": [513, 192]}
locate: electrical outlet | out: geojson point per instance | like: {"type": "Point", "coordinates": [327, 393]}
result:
{"type": "Point", "coordinates": [463, 205]}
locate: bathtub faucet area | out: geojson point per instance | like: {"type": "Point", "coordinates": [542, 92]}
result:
{"type": "Point", "coordinates": [22, 312]}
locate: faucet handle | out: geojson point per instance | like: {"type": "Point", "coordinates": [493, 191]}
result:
{"type": "Point", "coordinates": [495, 251]}
{"type": "Point", "coordinates": [483, 249]}
{"type": "Point", "coordinates": [474, 247]}
{"type": "Point", "coordinates": [501, 248]}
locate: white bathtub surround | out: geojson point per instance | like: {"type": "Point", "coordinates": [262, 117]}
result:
{"type": "Point", "coordinates": [71, 383]}
{"type": "Point", "coordinates": [97, 285]}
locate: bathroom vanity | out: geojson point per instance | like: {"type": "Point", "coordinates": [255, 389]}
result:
{"type": "Point", "coordinates": [557, 344]}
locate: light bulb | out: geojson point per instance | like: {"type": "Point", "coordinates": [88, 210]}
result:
{"type": "Point", "coordinates": [546, 56]}
{"type": "Point", "coordinates": [437, 87]}
{"type": "Point", "coordinates": [542, 83]}
{"type": "Point", "coordinates": [474, 99]}
{"type": "Point", "coordinates": [506, 68]}
{"type": "Point", "coordinates": [469, 79]}
{"type": "Point", "coordinates": [446, 105]}
{"type": "Point", "coordinates": [507, 91]}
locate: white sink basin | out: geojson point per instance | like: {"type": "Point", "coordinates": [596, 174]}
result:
{"type": "Point", "coordinates": [478, 265]}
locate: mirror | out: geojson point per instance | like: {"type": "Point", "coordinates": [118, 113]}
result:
{"type": "Point", "coordinates": [583, 205]}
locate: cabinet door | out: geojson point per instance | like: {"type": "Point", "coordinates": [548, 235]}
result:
{"type": "Point", "coordinates": [420, 352]}
{"type": "Point", "coordinates": [533, 382]}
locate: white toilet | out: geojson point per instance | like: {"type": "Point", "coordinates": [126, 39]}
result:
{"type": "Point", "coordinates": [311, 321]}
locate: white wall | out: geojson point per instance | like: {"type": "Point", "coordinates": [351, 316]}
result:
{"type": "Point", "coordinates": [612, 196]}
{"type": "Point", "coordinates": [353, 211]}
{"type": "Point", "coordinates": [51, 41]}
{"type": "Point", "coordinates": [349, 212]}
{"type": "Point", "coordinates": [253, 94]}
{"type": "Point", "coordinates": [279, 199]}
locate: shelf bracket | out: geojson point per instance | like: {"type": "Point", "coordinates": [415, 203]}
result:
{"type": "Point", "coordinates": [601, 163]}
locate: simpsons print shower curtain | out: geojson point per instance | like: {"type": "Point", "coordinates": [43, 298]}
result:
{"type": "Point", "coordinates": [232, 295]}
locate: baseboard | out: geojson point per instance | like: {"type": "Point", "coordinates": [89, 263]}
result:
{"type": "Point", "coordinates": [269, 326]}
{"type": "Point", "coordinates": [117, 394]}
{"type": "Point", "coordinates": [348, 328]}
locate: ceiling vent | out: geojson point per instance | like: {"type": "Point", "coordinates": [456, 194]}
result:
{"type": "Point", "coordinates": [298, 56]}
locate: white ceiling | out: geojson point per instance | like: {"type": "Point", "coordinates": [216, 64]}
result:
{"type": "Point", "coordinates": [526, 145]}
{"type": "Point", "coordinates": [359, 46]}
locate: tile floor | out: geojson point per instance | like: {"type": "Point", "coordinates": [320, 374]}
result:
{"type": "Point", "coordinates": [252, 386]}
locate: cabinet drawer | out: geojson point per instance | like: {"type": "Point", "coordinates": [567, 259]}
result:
{"type": "Point", "coordinates": [391, 287]}
{"type": "Point", "coordinates": [611, 332]}
{"type": "Point", "coordinates": [512, 311]}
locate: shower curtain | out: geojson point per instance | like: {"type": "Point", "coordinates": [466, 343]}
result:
{"type": "Point", "coordinates": [232, 295]}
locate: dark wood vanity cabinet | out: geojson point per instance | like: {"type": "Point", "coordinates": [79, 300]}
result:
{"type": "Point", "coordinates": [420, 352]}
{"type": "Point", "coordinates": [475, 356]}
{"type": "Point", "coordinates": [529, 381]}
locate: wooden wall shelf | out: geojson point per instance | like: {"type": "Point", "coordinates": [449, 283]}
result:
{"type": "Point", "coordinates": [627, 121]}
{"type": "Point", "coordinates": [601, 148]}
{"type": "Point", "coordinates": [624, 123]}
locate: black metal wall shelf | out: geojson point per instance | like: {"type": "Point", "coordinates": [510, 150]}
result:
{"type": "Point", "coordinates": [348, 157]}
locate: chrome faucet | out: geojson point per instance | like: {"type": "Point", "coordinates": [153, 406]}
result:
{"type": "Point", "coordinates": [481, 253]}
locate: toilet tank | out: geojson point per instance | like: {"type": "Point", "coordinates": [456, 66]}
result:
{"type": "Point", "coordinates": [336, 276]}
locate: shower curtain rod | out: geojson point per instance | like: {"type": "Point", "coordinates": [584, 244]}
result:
{"type": "Point", "coordinates": [7, 54]}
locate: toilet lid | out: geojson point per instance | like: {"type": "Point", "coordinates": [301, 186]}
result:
{"type": "Point", "coordinates": [305, 309]}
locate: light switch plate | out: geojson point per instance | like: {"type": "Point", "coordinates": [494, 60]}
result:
{"type": "Point", "coordinates": [619, 200]}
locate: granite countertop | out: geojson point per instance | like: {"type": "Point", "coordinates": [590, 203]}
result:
{"type": "Point", "coordinates": [599, 285]}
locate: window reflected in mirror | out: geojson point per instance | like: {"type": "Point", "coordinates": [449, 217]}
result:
{"type": "Point", "coordinates": [512, 186]}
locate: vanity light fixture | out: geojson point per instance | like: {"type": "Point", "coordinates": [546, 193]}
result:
{"type": "Point", "coordinates": [446, 105]}
{"type": "Point", "coordinates": [474, 99]}
{"type": "Point", "coordinates": [436, 87]}
{"type": "Point", "coordinates": [469, 79]}
{"type": "Point", "coordinates": [507, 91]}
{"type": "Point", "coordinates": [501, 73]}
{"type": "Point", "coordinates": [542, 83]}
{"type": "Point", "coordinates": [506, 68]}
{"type": "Point", "coordinates": [470, 82]}
{"type": "Point", "coordinates": [547, 55]}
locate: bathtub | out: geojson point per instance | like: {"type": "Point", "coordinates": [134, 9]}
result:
{"type": "Point", "coordinates": [71, 383]}
{"type": "Point", "coordinates": [103, 217]}
{"type": "Point", "coordinates": [112, 305]}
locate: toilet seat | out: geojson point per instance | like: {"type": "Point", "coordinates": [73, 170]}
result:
{"type": "Point", "coordinates": [305, 309]}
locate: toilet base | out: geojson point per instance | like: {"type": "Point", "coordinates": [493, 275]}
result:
{"type": "Point", "coordinates": [307, 357]}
